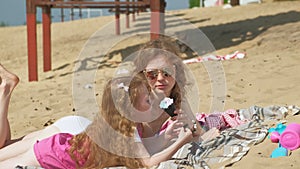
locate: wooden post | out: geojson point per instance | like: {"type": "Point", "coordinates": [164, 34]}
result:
{"type": "Point", "coordinates": [117, 17]}
{"type": "Point", "coordinates": [133, 17]}
{"type": "Point", "coordinates": [127, 15]}
{"type": "Point", "coordinates": [133, 11]}
{"type": "Point", "coordinates": [31, 40]}
{"type": "Point", "coordinates": [62, 15]}
{"type": "Point", "coordinates": [157, 18]}
{"type": "Point", "coordinates": [80, 13]}
{"type": "Point", "coordinates": [139, 9]}
{"type": "Point", "coordinates": [234, 2]}
{"type": "Point", "coordinates": [47, 38]}
{"type": "Point", "coordinates": [72, 14]}
{"type": "Point", "coordinates": [163, 5]}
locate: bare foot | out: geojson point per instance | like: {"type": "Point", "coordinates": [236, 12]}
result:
{"type": "Point", "coordinates": [8, 81]}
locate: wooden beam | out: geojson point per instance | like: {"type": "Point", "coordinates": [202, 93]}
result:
{"type": "Point", "coordinates": [87, 6]}
{"type": "Point", "coordinates": [133, 12]}
{"type": "Point", "coordinates": [46, 38]}
{"type": "Point", "coordinates": [121, 11]}
{"type": "Point", "coordinates": [62, 15]}
{"type": "Point", "coordinates": [31, 40]}
{"type": "Point", "coordinates": [90, 3]}
{"type": "Point", "coordinates": [117, 18]}
{"type": "Point", "coordinates": [127, 15]}
{"type": "Point", "coordinates": [157, 18]}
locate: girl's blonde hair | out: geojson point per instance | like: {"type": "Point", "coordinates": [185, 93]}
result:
{"type": "Point", "coordinates": [84, 145]}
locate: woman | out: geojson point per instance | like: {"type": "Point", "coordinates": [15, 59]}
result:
{"type": "Point", "coordinates": [161, 64]}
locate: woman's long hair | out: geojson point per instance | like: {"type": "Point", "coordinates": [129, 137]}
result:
{"type": "Point", "coordinates": [85, 146]}
{"type": "Point", "coordinates": [164, 47]}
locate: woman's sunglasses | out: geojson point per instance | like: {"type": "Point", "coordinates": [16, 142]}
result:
{"type": "Point", "coordinates": [151, 74]}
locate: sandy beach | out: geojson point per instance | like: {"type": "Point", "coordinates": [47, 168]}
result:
{"type": "Point", "coordinates": [268, 33]}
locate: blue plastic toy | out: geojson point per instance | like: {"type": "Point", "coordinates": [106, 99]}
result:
{"type": "Point", "coordinates": [280, 151]}
{"type": "Point", "coordinates": [279, 128]}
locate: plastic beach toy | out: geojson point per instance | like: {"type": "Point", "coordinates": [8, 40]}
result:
{"type": "Point", "coordinates": [279, 152]}
{"type": "Point", "coordinates": [289, 138]}
{"type": "Point", "coordinates": [279, 128]}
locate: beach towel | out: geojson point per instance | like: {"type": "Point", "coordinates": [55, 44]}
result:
{"type": "Point", "coordinates": [235, 55]}
{"type": "Point", "coordinates": [224, 150]}
{"type": "Point", "coordinates": [220, 120]}
{"type": "Point", "coordinates": [232, 144]}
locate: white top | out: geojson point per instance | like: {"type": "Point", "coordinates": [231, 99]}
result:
{"type": "Point", "coordinates": [72, 124]}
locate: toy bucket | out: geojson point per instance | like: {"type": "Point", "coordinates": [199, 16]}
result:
{"type": "Point", "coordinates": [290, 138]}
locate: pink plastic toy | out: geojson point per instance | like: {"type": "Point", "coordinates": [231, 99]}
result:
{"type": "Point", "coordinates": [275, 136]}
{"type": "Point", "coordinates": [289, 138]}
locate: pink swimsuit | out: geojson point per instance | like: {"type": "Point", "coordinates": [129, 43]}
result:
{"type": "Point", "coordinates": [52, 152]}
{"type": "Point", "coordinates": [162, 129]}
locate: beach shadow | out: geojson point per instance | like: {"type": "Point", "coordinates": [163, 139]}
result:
{"type": "Point", "coordinates": [108, 60]}
{"type": "Point", "coordinates": [221, 36]}
{"type": "Point", "coordinates": [103, 61]}
{"type": "Point", "coordinates": [86, 64]}
{"type": "Point", "coordinates": [61, 67]}
{"type": "Point", "coordinates": [235, 33]}
{"type": "Point", "coordinates": [99, 62]}
{"type": "Point", "coordinates": [170, 21]}
{"type": "Point", "coordinates": [147, 18]}
{"type": "Point", "coordinates": [200, 20]}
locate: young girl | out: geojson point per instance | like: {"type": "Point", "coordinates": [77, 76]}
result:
{"type": "Point", "coordinates": [111, 139]}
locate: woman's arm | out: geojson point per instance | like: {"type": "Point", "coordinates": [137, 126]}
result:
{"type": "Point", "coordinates": [158, 143]}
{"type": "Point", "coordinates": [192, 121]}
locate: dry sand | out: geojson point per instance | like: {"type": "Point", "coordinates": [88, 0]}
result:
{"type": "Point", "coordinates": [268, 33]}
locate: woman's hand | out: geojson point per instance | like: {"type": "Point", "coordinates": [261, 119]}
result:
{"type": "Point", "coordinates": [178, 123]}
{"type": "Point", "coordinates": [173, 130]}
{"type": "Point", "coordinates": [193, 125]}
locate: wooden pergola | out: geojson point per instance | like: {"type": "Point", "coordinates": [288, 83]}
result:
{"type": "Point", "coordinates": [157, 8]}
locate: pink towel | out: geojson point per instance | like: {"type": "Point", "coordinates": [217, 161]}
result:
{"type": "Point", "coordinates": [220, 120]}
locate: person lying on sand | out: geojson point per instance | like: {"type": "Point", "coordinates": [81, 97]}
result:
{"type": "Point", "coordinates": [110, 140]}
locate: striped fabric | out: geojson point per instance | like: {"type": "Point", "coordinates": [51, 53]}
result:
{"type": "Point", "coordinates": [232, 144]}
